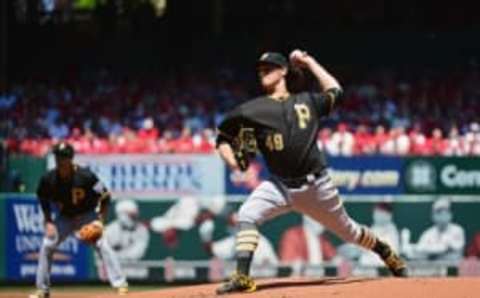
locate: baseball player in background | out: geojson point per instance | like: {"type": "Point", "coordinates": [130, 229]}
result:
{"type": "Point", "coordinates": [128, 236]}
{"type": "Point", "coordinates": [183, 216]}
{"type": "Point", "coordinates": [284, 126]}
{"type": "Point", "coordinates": [385, 228]}
{"type": "Point", "coordinates": [224, 248]}
{"type": "Point", "coordinates": [444, 241]}
{"type": "Point", "coordinates": [82, 201]}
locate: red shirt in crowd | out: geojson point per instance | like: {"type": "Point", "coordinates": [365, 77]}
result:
{"type": "Point", "coordinates": [417, 143]}
{"type": "Point", "coordinates": [183, 144]}
{"type": "Point", "coordinates": [364, 143]}
{"type": "Point", "coordinates": [204, 146]}
{"type": "Point", "coordinates": [436, 146]}
{"type": "Point", "coordinates": [379, 139]}
{"type": "Point", "coordinates": [148, 134]}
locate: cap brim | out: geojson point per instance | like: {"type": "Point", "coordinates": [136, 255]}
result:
{"type": "Point", "coordinates": [63, 156]}
{"type": "Point", "coordinates": [269, 63]}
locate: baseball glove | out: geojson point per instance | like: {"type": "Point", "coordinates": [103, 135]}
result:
{"type": "Point", "coordinates": [242, 159]}
{"type": "Point", "coordinates": [244, 147]}
{"type": "Point", "coordinates": [91, 232]}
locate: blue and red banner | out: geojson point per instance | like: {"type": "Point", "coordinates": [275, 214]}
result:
{"type": "Point", "coordinates": [352, 175]}
{"type": "Point", "coordinates": [24, 236]}
{"type": "Point", "coordinates": [368, 175]}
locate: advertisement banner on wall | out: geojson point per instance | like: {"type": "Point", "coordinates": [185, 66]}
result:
{"type": "Point", "coordinates": [352, 175]}
{"type": "Point", "coordinates": [442, 175]}
{"type": "Point", "coordinates": [161, 255]}
{"type": "Point", "coordinates": [156, 175]}
{"type": "Point", "coordinates": [24, 236]}
{"type": "Point", "coordinates": [367, 174]}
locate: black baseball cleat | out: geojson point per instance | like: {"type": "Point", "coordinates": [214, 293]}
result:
{"type": "Point", "coordinates": [392, 260]}
{"type": "Point", "coordinates": [238, 283]}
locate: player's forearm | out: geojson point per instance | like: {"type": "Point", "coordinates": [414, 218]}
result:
{"type": "Point", "coordinates": [324, 78]}
{"type": "Point", "coordinates": [103, 203]}
{"type": "Point", "coordinates": [103, 213]}
{"type": "Point", "coordinates": [226, 153]}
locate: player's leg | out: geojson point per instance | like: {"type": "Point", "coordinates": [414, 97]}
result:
{"type": "Point", "coordinates": [267, 201]}
{"type": "Point", "coordinates": [112, 265]}
{"type": "Point", "coordinates": [45, 257]}
{"type": "Point", "coordinates": [322, 202]}
{"type": "Point", "coordinates": [109, 258]}
{"type": "Point", "coordinates": [264, 203]}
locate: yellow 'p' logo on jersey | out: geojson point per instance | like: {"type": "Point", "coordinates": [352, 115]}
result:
{"type": "Point", "coordinates": [78, 195]}
{"type": "Point", "coordinates": [303, 114]}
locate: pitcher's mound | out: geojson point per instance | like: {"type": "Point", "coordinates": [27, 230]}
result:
{"type": "Point", "coordinates": [454, 287]}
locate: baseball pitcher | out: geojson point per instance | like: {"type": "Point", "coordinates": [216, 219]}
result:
{"type": "Point", "coordinates": [283, 126]}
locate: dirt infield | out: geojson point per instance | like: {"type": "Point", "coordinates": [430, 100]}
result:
{"type": "Point", "coordinates": [326, 287]}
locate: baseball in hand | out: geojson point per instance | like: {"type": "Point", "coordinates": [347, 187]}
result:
{"type": "Point", "coordinates": [298, 57]}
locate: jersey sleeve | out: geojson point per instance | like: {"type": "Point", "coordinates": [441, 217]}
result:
{"type": "Point", "coordinates": [43, 190]}
{"type": "Point", "coordinates": [100, 192]}
{"type": "Point", "coordinates": [325, 102]}
{"type": "Point", "coordinates": [43, 194]}
{"type": "Point", "coordinates": [98, 186]}
{"type": "Point", "coordinates": [228, 129]}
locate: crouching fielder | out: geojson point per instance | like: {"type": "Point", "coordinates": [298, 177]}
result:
{"type": "Point", "coordinates": [82, 201]}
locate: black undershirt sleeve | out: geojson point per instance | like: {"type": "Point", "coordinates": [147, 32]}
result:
{"type": "Point", "coordinates": [43, 197]}
{"type": "Point", "coordinates": [227, 130]}
{"type": "Point", "coordinates": [327, 101]}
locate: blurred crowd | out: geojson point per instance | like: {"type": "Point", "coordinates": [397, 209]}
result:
{"type": "Point", "coordinates": [104, 113]}
{"type": "Point", "coordinates": [403, 112]}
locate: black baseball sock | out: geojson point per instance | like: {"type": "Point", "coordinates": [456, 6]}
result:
{"type": "Point", "coordinates": [381, 248]}
{"type": "Point", "coordinates": [246, 242]}
{"type": "Point", "coordinates": [244, 260]}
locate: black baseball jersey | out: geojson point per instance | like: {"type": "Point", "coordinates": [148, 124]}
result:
{"type": "Point", "coordinates": [285, 131]}
{"type": "Point", "coordinates": [78, 195]}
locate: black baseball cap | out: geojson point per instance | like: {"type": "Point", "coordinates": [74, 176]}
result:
{"type": "Point", "coordinates": [63, 150]}
{"type": "Point", "coordinates": [273, 58]}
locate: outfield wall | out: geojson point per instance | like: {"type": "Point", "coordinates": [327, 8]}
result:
{"type": "Point", "coordinates": [171, 175]}
{"type": "Point", "coordinates": [185, 258]}
{"type": "Point", "coordinates": [182, 198]}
